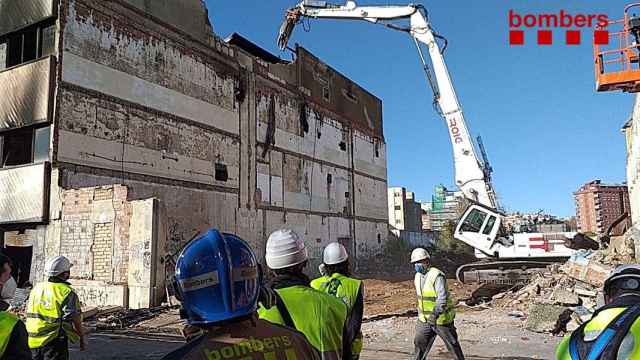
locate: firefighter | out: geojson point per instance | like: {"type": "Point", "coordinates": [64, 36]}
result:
{"type": "Point", "coordinates": [54, 316]}
{"type": "Point", "coordinates": [614, 330]}
{"type": "Point", "coordinates": [336, 281]}
{"type": "Point", "coordinates": [13, 334]}
{"type": "Point", "coordinates": [436, 313]}
{"type": "Point", "coordinates": [218, 282]}
{"type": "Point", "coordinates": [319, 316]}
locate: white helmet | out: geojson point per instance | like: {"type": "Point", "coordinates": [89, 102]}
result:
{"type": "Point", "coordinates": [285, 249]}
{"type": "Point", "coordinates": [8, 289]}
{"type": "Point", "coordinates": [419, 254]}
{"type": "Point", "coordinates": [57, 265]}
{"type": "Point", "coordinates": [334, 253]}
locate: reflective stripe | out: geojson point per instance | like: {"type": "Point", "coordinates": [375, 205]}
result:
{"type": "Point", "coordinates": [7, 323]}
{"type": "Point", "coordinates": [44, 318]}
{"type": "Point", "coordinates": [427, 298]}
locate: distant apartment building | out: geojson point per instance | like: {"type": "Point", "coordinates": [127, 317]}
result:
{"type": "Point", "coordinates": [426, 216]}
{"type": "Point", "coordinates": [446, 206]}
{"type": "Point", "coordinates": [404, 212]}
{"type": "Point", "coordinates": [599, 205]}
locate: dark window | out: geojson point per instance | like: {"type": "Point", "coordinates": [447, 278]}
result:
{"type": "Point", "coordinates": [28, 44]}
{"type": "Point", "coordinates": [17, 147]}
{"type": "Point", "coordinates": [377, 149]}
{"type": "Point", "coordinates": [221, 172]}
{"type": "Point", "coordinates": [325, 93]}
{"type": "Point", "coordinates": [24, 146]}
{"type": "Point", "coordinates": [329, 179]}
{"type": "Point", "coordinates": [490, 223]}
{"type": "Point", "coordinates": [379, 241]}
{"type": "Point", "coordinates": [14, 51]}
{"type": "Point", "coordinates": [473, 222]}
{"type": "Point", "coordinates": [397, 207]}
{"type": "Point", "coordinates": [343, 146]}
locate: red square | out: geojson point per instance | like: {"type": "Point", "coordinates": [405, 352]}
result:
{"type": "Point", "coordinates": [601, 37]}
{"type": "Point", "coordinates": [573, 37]}
{"type": "Point", "coordinates": [516, 37]}
{"type": "Point", "coordinates": [545, 37]}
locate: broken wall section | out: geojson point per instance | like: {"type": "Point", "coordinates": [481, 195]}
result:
{"type": "Point", "coordinates": [114, 245]}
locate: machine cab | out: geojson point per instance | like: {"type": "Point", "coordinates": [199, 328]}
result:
{"type": "Point", "coordinates": [479, 227]}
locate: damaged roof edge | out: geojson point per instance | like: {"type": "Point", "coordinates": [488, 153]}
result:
{"type": "Point", "coordinates": [298, 47]}
{"type": "Point", "coordinates": [253, 49]}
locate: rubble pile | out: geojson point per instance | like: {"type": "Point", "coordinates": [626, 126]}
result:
{"type": "Point", "coordinates": [128, 318]}
{"type": "Point", "coordinates": [564, 296]}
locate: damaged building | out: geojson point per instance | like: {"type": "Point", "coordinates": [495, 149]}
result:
{"type": "Point", "coordinates": [128, 126]}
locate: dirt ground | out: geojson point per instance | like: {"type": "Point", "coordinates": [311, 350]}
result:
{"type": "Point", "coordinates": [484, 335]}
{"type": "Point", "coordinates": [384, 297]}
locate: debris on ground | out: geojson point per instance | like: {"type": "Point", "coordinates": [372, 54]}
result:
{"type": "Point", "coordinates": [129, 318]}
{"type": "Point", "coordinates": [544, 317]}
{"type": "Point", "coordinates": [562, 297]}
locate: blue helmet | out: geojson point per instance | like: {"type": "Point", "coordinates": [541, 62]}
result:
{"type": "Point", "coordinates": [217, 278]}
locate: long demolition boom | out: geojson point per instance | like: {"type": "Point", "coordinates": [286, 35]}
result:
{"type": "Point", "coordinates": [469, 175]}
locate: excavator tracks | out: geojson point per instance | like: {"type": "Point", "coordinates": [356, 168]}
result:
{"type": "Point", "coordinates": [502, 272]}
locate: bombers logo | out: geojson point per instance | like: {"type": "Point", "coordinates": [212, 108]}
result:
{"type": "Point", "coordinates": [546, 22]}
{"type": "Point", "coordinates": [199, 282]}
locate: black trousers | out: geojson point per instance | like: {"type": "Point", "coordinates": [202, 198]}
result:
{"type": "Point", "coordinates": [57, 349]}
{"type": "Point", "coordinates": [426, 335]}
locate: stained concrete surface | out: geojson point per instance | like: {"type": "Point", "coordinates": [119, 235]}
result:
{"type": "Point", "coordinates": [485, 335]}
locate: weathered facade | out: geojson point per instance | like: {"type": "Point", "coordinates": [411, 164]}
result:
{"type": "Point", "coordinates": [133, 127]}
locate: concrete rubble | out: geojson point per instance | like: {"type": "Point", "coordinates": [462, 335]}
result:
{"type": "Point", "coordinates": [564, 296]}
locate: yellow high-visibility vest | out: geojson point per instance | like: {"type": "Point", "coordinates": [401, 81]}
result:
{"type": "Point", "coordinates": [320, 317]}
{"type": "Point", "coordinates": [44, 314]}
{"type": "Point", "coordinates": [594, 328]}
{"type": "Point", "coordinates": [426, 291]}
{"type": "Point", "coordinates": [345, 289]}
{"type": "Point", "coordinates": [7, 323]}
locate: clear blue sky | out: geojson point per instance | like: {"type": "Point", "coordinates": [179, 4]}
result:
{"type": "Point", "coordinates": [545, 128]}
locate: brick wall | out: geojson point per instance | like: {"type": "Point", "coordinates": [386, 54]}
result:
{"type": "Point", "coordinates": [102, 251]}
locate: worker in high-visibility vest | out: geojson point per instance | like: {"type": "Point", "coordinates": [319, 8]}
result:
{"type": "Point", "coordinates": [218, 283]}
{"type": "Point", "coordinates": [436, 312]}
{"type": "Point", "coordinates": [319, 316]}
{"type": "Point", "coordinates": [54, 316]}
{"type": "Point", "coordinates": [13, 334]}
{"type": "Point", "coordinates": [614, 329]}
{"type": "Point", "coordinates": [336, 281]}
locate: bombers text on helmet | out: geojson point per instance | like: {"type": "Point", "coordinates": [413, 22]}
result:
{"type": "Point", "coordinates": [285, 249]}
{"type": "Point", "coordinates": [334, 254]}
{"type": "Point", "coordinates": [419, 254]}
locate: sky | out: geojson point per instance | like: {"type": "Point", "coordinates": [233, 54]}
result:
{"type": "Point", "coordinates": [546, 129]}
